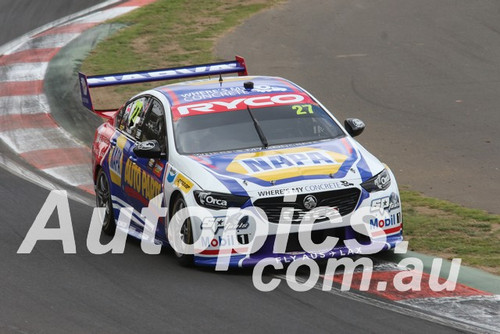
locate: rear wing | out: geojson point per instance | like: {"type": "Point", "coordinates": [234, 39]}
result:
{"type": "Point", "coordinates": [87, 82]}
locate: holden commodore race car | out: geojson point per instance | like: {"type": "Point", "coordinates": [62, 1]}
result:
{"type": "Point", "coordinates": [246, 167]}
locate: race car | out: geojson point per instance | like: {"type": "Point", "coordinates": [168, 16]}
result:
{"type": "Point", "coordinates": [247, 168]}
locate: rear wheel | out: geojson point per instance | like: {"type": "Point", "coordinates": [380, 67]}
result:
{"type": "Point", "coordinates": [103, 200]}
{"type": "Point", "coordinates": [186, 232]}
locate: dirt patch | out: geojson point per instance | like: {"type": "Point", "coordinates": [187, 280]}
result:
{"type": "Point", "coordinates": [141, 45]}
{"type": "Point", "coordinates": [427, 211]}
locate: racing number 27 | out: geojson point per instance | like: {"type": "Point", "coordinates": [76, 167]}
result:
{"type": "Point", "coordinates": [303, 109]}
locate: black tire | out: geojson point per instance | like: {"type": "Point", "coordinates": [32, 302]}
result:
{"type": "Point", "coordinates": [103, 200]}
{"type": "Point", "coordinates": [185, 260]}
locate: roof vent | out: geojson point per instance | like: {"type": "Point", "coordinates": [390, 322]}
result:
{"type": "Point", "coordinates": [248, 85]}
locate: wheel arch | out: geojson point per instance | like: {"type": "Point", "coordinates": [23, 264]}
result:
{"type": "Point", "coordinates": [97, 168]}
{"type": "Point", "coordinates": [175, 195]}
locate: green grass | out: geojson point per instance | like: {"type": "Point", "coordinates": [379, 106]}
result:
{"type": "Point", "coordinates": [448, 230]}
{"type": "Point", "coordinates": [179, 32]}
{"type": "Point", "coordinates": [164, 34]}
{"type": "Point", "coordinates": [169, 32]}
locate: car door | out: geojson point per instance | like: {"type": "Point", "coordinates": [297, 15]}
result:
{"type": "Point", "coordinates": [121, 143]}
{"type": "Point", "coordinates": [143, 177]}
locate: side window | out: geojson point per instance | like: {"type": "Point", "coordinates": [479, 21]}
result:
{"type": "Point", "coordinates": [153, 126]}
{"type": "Point", "coordinates": [136, 117]}
{"type": "Point", "coordinates": [131, 116]}
{"type": "Point", "coordinates": [122, 116]}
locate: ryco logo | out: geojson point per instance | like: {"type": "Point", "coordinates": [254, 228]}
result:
{"type": "Point", "coordinates": [239, 103]}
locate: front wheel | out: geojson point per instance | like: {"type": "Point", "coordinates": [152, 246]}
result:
{"type": "Point", "coordinates": [103, 200]}
{"type": "Point", "coordinates": [186, 232]}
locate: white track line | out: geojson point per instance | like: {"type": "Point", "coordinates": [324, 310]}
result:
{"type": "Point", "coordinates": [74, 175]}
{"type": "Point", "coordinates": [23, 72]}
{"type": "Point", "coordinates": [26, 105]}
{"type": "Point", "coordinates": [407, 309]}
{"type": "Point", "coordinates": [24, 140]}
{"type": "Point", "coordinates": [13, 45]}
{"type": "Point", "coordinates": [472, 310]}
{"type": "Point", "coordinates": [46, 42]}
{"type": "Point", "coordinates": [21, 171]}
{"type": "Point", "coordinates": [28, 140]}
{"type": "Point", "coordinates": [106, 15]}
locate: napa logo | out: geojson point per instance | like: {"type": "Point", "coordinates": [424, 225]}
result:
{"type": "Point", "coordinates": [287, 163]}
{"type": "Point", "coordinates": [116, 160]}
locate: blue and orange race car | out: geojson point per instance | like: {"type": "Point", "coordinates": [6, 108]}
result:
{"type": "Point", "coordinates": [244, 164]}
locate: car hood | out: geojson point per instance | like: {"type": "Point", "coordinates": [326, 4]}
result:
{"type": "Point", "coordinates": [340, 161]}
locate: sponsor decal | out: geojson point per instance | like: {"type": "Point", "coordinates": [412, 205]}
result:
{"type": "Point", "coordinates": [208, 94]}
{"type": "Point", "coordinates": [387, 203]}
{"type": "Point", "coordinates": [281, 192]}
{"type": "Point", "coordinates": [391, 221]}
{"type": "Point", "coordinates": [243, 239]}
{"type": "Point", "coordinates": [294, 256]}
{"type": "Point", "coordinates": [151, 163]}
{"type": "Point", "coordinates": [158, 168]}
{"type": "Point", "coordinates": [141, 181]}
{"type": "Point", "coordinates": [213, 223]}
{"type": "Point", "coordinates": [163, 74]}
{"type": "Point", "coordinates": [217, 224]}
{"type": "Point", "coordinates": [243, 224]}
{"type": "Point", "coordinates": [268, 89]}
{"type": "Point", "coordinates": [321, 187]}
{"type": "Point", "coordinates": [208, 200]}
{"type": "Point", "coordinates": [100, 147]}
{"type": "Point", "coordinates": [225, 241]}
{"type": "Point", "coordinates": [231, 104]}
{"type": "Point", "coordinates": [300, 189]}
{"type": "Point", "coordinates": [183, 183]}
{"type": "Point", "coordinates": [287, 163]}
{"type": "Point", "coordinates": [116, 160]}
{"type": "Point", "coordinates": [172, 173]}
{"type": "Point", "coordinates": [215, 93]}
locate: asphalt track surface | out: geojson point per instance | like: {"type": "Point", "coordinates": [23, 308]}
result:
{"type": "Point", "coordinates": [49, 292]}
{"type": "Point", "coordinates": [21, 16]}
{"type": "Point", "coordinates": [423, 75]}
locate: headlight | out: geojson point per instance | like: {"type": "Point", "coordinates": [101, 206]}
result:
{"type": "Point", "coordinates": [381, 181]}
{"type": "Point", "coordinates": [213, 200]}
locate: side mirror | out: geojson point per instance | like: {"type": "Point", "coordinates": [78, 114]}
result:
{"type": "Point", "coordinates": [148, 149]}
{"type": "Point", "coordinates": [354, 126]}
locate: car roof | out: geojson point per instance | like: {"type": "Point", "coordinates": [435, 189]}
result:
{"type": "Point", "coordinates": [212, 89]}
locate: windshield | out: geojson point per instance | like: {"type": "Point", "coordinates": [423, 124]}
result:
{"type": "Point", "coordinates": [235, 130]}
